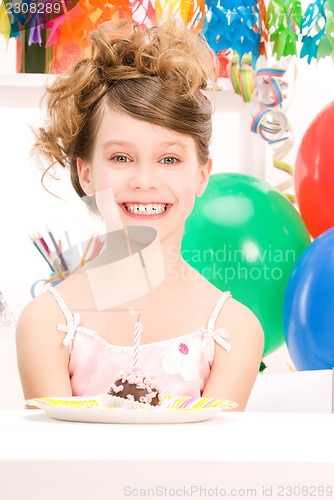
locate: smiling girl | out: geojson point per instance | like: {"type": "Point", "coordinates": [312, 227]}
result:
{"type": "Point", "coordinates": [131, 123]}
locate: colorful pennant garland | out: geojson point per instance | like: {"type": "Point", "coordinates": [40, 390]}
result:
{"type": "Point", "coordinates": [229, 24]}
{"type": "Point", "coordinates": [318, 30]}
{"type": "Point", "coordinates": [244, 26]}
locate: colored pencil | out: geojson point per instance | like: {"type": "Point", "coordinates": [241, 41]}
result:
{"type": "Point", "coordinates": [63, 263]}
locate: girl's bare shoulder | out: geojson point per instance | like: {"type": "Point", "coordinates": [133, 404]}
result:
{"type": "Point", "coordinates": [39, 312]}
{"type": "Point", "coordinates": [45, 309]}
{"type": "Point", "coordinates": [245, 330]}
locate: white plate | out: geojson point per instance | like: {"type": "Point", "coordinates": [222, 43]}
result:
{"type": "Point", "coordinates": [175, 409]}
{"type": "Point", "coordinates": [130, 416]}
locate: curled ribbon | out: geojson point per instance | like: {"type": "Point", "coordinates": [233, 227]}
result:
{"type": "Point", "coordinates": [242, 76]}
{"type": "Point", "coordinates": [266, 90]}
{"type": "Point", "coordinates": [270, 121]}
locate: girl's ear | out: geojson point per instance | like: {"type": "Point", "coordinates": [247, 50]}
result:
{"type": "Point", "coordinates": [84, 174]}
{"type": "Point", "coordinates": [204, 178]}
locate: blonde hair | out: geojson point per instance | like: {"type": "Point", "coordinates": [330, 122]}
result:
{"type": "Point", "coordinates": [153, 74]}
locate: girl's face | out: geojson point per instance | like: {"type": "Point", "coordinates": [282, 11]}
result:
{"type": "Point", "coordinates": [143, 174]}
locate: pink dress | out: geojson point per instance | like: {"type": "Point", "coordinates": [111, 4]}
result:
{"type": "Point", "coordinates": [182, 364]}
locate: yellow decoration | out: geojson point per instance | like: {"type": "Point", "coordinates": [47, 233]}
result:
{"type": "Point", "coordinates": [4, 22]}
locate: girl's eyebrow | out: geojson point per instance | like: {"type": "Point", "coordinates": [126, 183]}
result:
{"type": "Point", "coordinates": [168, 144]}
{"type": "Point", "coordinates": [115, 143]}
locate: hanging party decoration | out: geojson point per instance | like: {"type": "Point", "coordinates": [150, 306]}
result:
{"type": "Point", "coordinates": [267, 90]}
{"type": "Point", "coordinates": [284, 21]}
{"type": "Point", "coordinates": [232, 24]}
{"type": "Point", "coordinates": [318, 30]}
{"type": "Point", "coordinates": [270, 120]}
{"type": "Point", "coordinates": [243, 26]}
{"type": "Point", "coordinates": [5, 26]}
{"type": "Point", "coordinates": [242, 76]}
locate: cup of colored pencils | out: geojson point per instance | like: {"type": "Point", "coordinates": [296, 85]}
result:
{"type": "Point", "coordinates": [51, 249]}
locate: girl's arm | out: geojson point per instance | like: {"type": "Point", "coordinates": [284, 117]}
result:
{"type": "Point", "coordinates": [42, 357]}
{"type": "Point", "coordinates": [233, 373]}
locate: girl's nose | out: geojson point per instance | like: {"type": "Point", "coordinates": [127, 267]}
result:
{"type": "Point", "coordinates": [144, 177]}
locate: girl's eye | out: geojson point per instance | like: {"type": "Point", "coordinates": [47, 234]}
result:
{"type": "Point", "coordinates": [169, 160]}
{"type": "Point", "coordinates": [120, 158]}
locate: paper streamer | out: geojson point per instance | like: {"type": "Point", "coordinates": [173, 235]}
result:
{"type": "Point", "coordinates": [267, 91]}
{"type": "Point", "coordinates": [270, 121]}
{"type": "Point", "coordinates": [242, 76]}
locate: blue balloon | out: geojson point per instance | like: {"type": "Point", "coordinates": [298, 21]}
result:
{"type": "Point", "coordinates": [308, 307]}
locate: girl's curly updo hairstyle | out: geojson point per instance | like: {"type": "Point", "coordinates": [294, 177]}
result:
{"type": "Point", "coordinates": [152, 74]}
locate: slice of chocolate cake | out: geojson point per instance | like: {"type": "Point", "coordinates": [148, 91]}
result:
{"type": "Point", "coordinates": [137, 386]}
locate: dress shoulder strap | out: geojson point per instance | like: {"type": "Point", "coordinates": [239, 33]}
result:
{"type": "Point", "coordinates": [72, 320]}
{"type": "Point", "coordinates": [61, 302]}
{"type": "Point", "coordinates": [217, 309]}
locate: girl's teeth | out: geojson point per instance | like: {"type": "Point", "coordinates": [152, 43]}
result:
{"type": "Point", "coordinates": [149, 209]}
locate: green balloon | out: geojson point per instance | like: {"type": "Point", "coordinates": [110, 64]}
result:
{"type": "Point", "coordinates": [245, 236]}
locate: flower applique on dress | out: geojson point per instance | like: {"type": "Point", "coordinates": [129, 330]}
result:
{"type": "Point", "coordinates": [183, 357]}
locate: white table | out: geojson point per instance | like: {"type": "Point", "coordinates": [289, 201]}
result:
{"type": "Point", "coordinates": [239, 455]}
